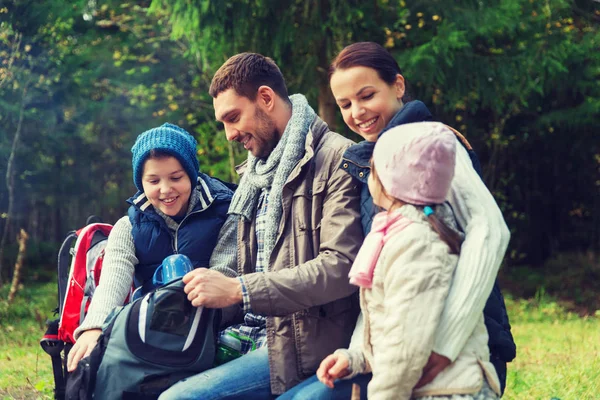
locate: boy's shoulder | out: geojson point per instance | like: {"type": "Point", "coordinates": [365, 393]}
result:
{"type": "Point", "coordinates": [216, 188]}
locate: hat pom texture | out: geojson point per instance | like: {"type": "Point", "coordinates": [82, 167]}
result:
{"type": "Point", "coordinates": [415, 162]}
{"type": "Point", "coordinates": [170, 139]}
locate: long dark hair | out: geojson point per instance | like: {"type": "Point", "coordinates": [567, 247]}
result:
{"type": "Point", "coordinates": [448, 236]}
{"type": "Point", "coordinates": [370, 55]}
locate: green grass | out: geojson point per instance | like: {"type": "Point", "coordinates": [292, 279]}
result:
{"type": "Point", "coordinates": [558, 352]}
{"type": "Point", "coordinates": [25, 369]}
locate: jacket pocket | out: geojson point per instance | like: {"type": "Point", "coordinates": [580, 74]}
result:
{"type": "Point", "coordinates": [301, 206]}
{"type": "Point", "coordinates": [307, 207]}
{"type": "Point", "coordinates": [322, 330]}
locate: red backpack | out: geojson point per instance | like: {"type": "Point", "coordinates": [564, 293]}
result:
{"type": "Point", "coordinates": [83, 278]}
{"type": "Point", "coordinates": [79, 266]}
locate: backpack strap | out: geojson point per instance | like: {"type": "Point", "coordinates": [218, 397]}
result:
{"type": "Point", "coordinates": [54, 347]}
{"type": "Point", "coordinates": [472, 155]}
{"type": "Point", "coordinates": [463, 140]}
{"type": "Point", "coordinates": [64, 263]}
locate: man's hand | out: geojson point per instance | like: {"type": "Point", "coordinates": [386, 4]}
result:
{"type": "Point", "coordinates": [333, 367]}
{"type": "Point", "coordinates": [82, 347]}
{"type": "Point", "coordinates": [434, 366]}
{"type": "Point", "coordinates": [212, 289]}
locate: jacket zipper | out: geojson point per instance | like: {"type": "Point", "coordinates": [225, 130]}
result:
{"type": "Point", "coordinates": [175, 244]}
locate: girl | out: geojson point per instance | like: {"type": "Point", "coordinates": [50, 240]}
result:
{"type": "Point", "coordinates": [177, 210]}
{"type": "Point", "coordinates": [369, 88]}
{"type": "Point", "coordinates": [404, 269]}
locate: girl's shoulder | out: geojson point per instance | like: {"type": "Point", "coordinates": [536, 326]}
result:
{"type": "Point", "coordinates": [416, 234]}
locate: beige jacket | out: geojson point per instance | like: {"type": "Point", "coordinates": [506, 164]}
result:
{"type": "Point", "coordinates": [401, 313]}
{"type": "Point", "coordinates": [310, 305]}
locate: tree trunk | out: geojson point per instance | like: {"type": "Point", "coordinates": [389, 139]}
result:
{"type": "Point", "coordinates": [14, 287]}
{"type": "Point", "coordinates": [327, 106]}
{"type": "Point", "coordinates": [10, 179]}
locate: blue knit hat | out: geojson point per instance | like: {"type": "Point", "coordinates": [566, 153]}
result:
{"type": "Point", "coordinates": [170, 139]}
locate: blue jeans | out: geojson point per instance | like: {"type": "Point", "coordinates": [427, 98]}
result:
{"type": "Point", "coordinates": [313, 389]}
{"type": "Point", "coordinates": [246, 377]}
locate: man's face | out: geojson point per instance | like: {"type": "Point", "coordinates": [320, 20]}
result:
{"type": "Point", "coordinates": [246, 123]}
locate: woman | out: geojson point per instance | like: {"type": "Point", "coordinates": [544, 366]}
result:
{"type": "Point", "coordinates": [177, 210]}
{"type": "Point", "coordinates": [370, 91]}
{"type": "Point", "coordinates": [404, 270]}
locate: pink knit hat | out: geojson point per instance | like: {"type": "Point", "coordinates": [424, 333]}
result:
{"type": "Point", "coordinates": [415, 162]}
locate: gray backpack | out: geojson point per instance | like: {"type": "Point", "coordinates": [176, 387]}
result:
{"type": "Point", "coordinates": [146, 346]}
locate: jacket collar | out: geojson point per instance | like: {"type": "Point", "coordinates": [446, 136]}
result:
{"type": "Point", "coordinates": [413, 111]}
{"type": "Point", "coordinates": [201, 196]}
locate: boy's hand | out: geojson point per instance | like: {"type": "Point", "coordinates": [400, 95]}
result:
{"type": "Point", "coordinates": [82, 347]}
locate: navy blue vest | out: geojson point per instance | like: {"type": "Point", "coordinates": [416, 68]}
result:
{"type": "Point", "coordinates": [195, 237]}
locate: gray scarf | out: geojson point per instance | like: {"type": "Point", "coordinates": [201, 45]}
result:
{"type": "Point", "coordinates": [274, 171]}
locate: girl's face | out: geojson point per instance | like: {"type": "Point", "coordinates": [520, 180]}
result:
{"type": "Point", "coordinates": [366, 101]}
{"type": "Point", "coordinates": [380, 198]}
{"type": "Point", "coordinates": [167, 185]}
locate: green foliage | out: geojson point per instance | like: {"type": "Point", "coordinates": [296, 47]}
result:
{"type": "Point", "coordinates": [302, 36]}
{"type": "Point", "coordinates": [23, 321]}
{"type": "Point", "coordinates": [541, 308]}
{"type": "Point", "coordinates": [92, 86]}
{"type": "Point", "coordinates": [518, 77]}
{"type": "Point", "coordinates": [570, 277]}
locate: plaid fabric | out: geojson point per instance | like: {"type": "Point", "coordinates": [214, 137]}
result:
{"type": "Point", "coordinates": [254, 329]}
{"type": "Point", "coordinates": [245, 297]}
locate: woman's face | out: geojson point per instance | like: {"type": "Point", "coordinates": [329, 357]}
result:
{"type": "Point", "coordinates": [366, 101]}
{"type": "Point", "coordinates": [167, 185]}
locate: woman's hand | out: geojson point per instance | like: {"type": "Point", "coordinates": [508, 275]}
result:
{"type": "Point", "coordinates": [82, 347]}
{"type": "Point", "coordinates": [333, 367]}
{"type": "Point", "coordinates": [436, 364]}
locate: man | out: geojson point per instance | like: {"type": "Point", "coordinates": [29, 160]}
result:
{"type": "Point", "coordinates": [292, 233]}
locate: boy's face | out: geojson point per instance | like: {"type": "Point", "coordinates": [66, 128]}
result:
{"type": "Point", "coordinates": [166, 185]}
{"type": "Point", "coordinates": [246, 123]}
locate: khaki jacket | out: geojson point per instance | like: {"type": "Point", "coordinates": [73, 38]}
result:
{"type": "Point", "coordinates": [310, 304]}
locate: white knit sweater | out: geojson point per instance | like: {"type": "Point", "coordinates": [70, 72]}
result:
{"type": "Point", "coordinates": [481, 254]}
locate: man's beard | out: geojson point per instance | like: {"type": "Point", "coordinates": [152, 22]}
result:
{"type": "Point", "coordinates": [266, 132]}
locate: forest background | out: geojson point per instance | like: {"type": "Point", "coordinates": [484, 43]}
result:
{"type": "Point", "coordinates": [79, 80]}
